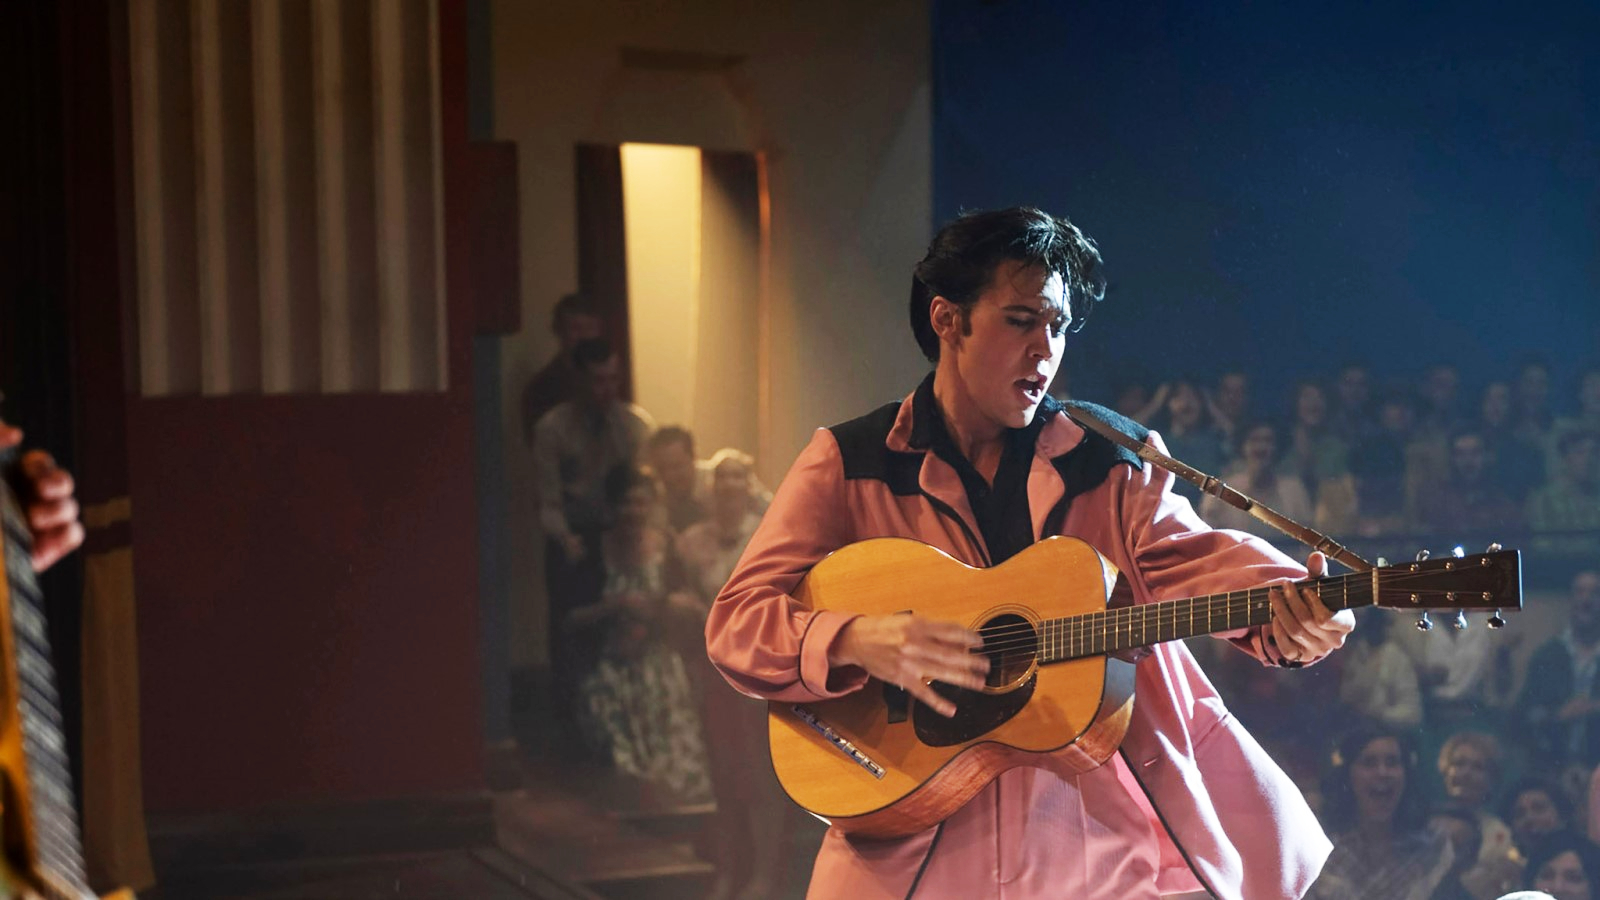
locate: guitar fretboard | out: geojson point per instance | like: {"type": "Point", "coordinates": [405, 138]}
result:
{"type": "Point", "coordinates": [1099, 633]}
{"type": "Point", "coordinates": [56, 845]}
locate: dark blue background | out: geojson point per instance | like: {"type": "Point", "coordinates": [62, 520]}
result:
{"type": "Point", "coordinates": [1285, 187]}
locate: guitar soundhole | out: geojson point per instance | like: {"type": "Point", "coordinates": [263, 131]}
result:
{"type": "Point", "coordinates": [1012, 645]}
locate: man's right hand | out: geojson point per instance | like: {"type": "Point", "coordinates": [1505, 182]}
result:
{"type": "Point", "coordinates": [913, 652]}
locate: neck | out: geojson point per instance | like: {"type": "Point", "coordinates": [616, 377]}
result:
{"type": "Point", "coordinates": [974, 434]}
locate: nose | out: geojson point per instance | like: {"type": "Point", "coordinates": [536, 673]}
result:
{"type": "Point", "coordinates": [1041, 347]}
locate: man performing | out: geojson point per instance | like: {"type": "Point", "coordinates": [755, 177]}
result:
{"type": "Point", "coordinates": [980, 463]}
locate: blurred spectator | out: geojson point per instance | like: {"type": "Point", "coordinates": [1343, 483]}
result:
{"type": "Point", "coordinates": [1559, 698]}
{"type": "Point", "coordinates": [1536, 808]}
{"type": "Point", "coordinates": [1570, 500]}
{"type": "Point", "coordinates": [1517, 464]}
{"type": "Point", "coordinates": [1470, 766]}
{"type": "Point", "coordinates": [1378, 468]}
{"type": "Point", "coordinates": [1378, 680]}
{"type": "Point", "coordinates": [1587, 419]}
{"type": "Point", "coordinates": [1316, 451]}
{"type": "Point", "coordinates": [1533, 402]}
{"type": "Point", "coordinates": [1566, 867]}
{"type": "Point", "coordinates": [753, 819]}
{"type": "Point", "coordinates": [1190, 438]}
{"type": "Point", "coordinates": [575, 447]}
{"type": "Point", "coordinates": [574, 320]}
{"type": "Point", "coordinates": [671, 456]}
{"type": "Point", "coordinates": [637, 699]}
{"type": "Point", "coordinates": [1230, 404]}
{"type": "Point", "coordinates": [1467, 502]}
{"type": "Point", "coordinates": [1375, 812]}
{"type": "Point", "coordinates": [1440, 415]}
{"type": "Point", "coordinates": [1352, 416]}
{"type": "Point", "coordinates": [688, 480]}
{"type": "Point", "coordinates": [1461, 882]}
{"type": "Point", "coordinates": [1136, 401]}
{"type": "Point", "coordinates": [1257, 477]}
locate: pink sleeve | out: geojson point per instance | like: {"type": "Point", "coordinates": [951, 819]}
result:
{"type": "Point", "coordinates": [1179, 556]}
{"type": "Point", "coordinates": [764, 641]}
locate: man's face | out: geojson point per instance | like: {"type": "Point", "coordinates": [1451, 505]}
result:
{"type": "Point", "coordinates": [1354, 387]}
{"type": "Point", "coordinates": [1533, 387]}
{"type": "Point", "coordinates": [1497, 403]}
{"type": "Point", "coordinates": [1467, 777]}
{"type": "Point", "coordinates": [1233, 394]}
{"type": "Point", "coordinates": [1007, 355]}
{"type": "Point", "coordinates": [576, 327]}
{"type": "Point", "coordinates": [1311, 406]}
{"type": "Point", "coordinates": [1440, 386]}
{"type": "Point", "coordinates": [1469, 456]}
{"type": "Point", "coordinates": [674, 465]}
{"type": "Point", "coordinates": [602, 384]}
{"type": "Point", "coordinates": [1586, 603]}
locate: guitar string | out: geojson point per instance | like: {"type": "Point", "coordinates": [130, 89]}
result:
{"type": "Point", "coordinates": [1144, 617]}
{"type": "Point", "coordinates": [1362, 592]}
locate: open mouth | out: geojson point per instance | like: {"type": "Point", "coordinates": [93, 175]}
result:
{"type": "Point", "coordinates": [1032, 388]}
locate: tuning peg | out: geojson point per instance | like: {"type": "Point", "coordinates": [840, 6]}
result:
{"type": "Point", "coordinates": [1493, 548]}
{"type": "Point", "coordinates": [1497, 620]}
{"type": "Point", "coordinates": [1424, 623]}
{"type": "Point", "coordinates": [1423, 555]}
{"type": "Point", "coordinates": [1460, 621]}
{"type": "Point", "coordinates": [1383, 562]}
{"type": "Point", "coordinates": [1458, 552]}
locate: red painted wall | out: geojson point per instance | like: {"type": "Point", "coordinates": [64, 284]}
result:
{"type": "Point", "coordinates": [307, 576]}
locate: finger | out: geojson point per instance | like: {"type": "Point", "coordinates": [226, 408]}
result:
{"type": "Point", "coordinates": [45, 516]}
{"type": "Point", "coordinates": [52, 484]}
{"type": "Point", "coordinates": [10, 435]}
{"type": "Point", "coordinates": [959, 668]}
{"type": "Point", "coordinates": [951, 633]}
{"type": "Point", "coordinates": [1317, 564]}
{"type": "Point", "coordinates": [1282, 636]}
{"type": "Point", "coordinates": [930, 698]}
{"type": "Point", "coordinates": [48, 548]}
{"type": "Point", "coordinates": [36, 464]}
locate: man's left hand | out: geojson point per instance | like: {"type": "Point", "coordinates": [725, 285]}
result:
{"type": "Point", "coordinates": [1302, 628]}
{"type": "Point", "coordinates": [49, 506]}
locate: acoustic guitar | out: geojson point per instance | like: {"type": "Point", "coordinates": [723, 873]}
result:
{"type": "Point", "coordinates": [42, 854]}
{"type": "Point", "coordinates": [877, 763]}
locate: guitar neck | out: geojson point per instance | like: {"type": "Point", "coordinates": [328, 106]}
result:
{"type": "Point", "coordinates": [53, 847]}
{"type": "Point", "coordinates": [1099, 633]}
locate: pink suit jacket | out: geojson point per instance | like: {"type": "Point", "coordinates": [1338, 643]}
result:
{"type": "Point", "coordinates": [1192, 795]}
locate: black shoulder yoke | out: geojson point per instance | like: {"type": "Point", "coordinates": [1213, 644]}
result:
{"type": "Point", "coordinates": [1086, 466]}
{"type": "Point", "coordinates": [861, 444]}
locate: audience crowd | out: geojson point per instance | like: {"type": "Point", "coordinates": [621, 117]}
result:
{"type": "Point", "coordinates": [1440, 769]}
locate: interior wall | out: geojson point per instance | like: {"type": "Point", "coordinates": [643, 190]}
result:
{"type": "Point", "coordinates": [661, 205]}
{"type": "Point", "coordinates": [837, 96]}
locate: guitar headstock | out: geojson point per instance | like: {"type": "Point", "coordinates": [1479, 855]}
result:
{"type": "Point", "coordinates": [1482, 581]}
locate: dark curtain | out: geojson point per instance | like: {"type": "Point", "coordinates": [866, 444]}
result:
{"type": "Point", "coordinates": [603, 244]}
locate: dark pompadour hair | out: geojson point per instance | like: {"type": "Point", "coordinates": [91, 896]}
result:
{"type": "Point", "coordinates": [961, 263]}
{"type": "Point", "coordinates": [574, 304]}
{"type": "Point", "coordinates": [591, 352]}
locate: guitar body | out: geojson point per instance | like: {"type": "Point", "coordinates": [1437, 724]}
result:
{"type": "Point", "coordinates": [899, 777]}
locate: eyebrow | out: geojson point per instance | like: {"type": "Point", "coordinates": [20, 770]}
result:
{"type": "Point", "coordinates": [1033, 310]}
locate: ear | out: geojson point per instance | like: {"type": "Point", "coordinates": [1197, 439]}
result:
{"type": "Point", "coordinates": [946, 319]}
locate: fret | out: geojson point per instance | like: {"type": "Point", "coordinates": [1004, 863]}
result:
{"type": "Point", "coordinates": [57, 847]}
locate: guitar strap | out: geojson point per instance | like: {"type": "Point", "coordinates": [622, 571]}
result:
{"type": "Point", "coordinates": [1219, 489]}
